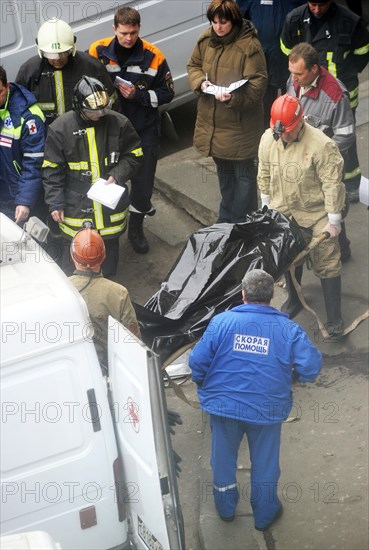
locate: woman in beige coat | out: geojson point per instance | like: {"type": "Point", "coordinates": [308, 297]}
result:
{"type": "Point", "coordinates": [229, 124]}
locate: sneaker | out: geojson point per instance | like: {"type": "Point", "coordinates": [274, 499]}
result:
{"type": "Point", "coordinates": [277, 516]}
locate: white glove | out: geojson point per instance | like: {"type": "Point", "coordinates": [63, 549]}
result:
{"type": "Point", "coordinates": [265, 200]}
{"type": "Point", "coordinates": [333, 226]}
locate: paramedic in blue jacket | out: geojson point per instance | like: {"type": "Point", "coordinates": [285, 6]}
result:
{"type": "Point", "coordinates": [243, 366]}
{"type": "Point", "coordinates": [22, 141]}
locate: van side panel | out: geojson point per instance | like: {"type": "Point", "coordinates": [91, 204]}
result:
{"type": "Point", "coordinates": [173, 25]}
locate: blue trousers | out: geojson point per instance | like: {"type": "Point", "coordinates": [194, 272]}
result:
{"type": "Point", "coordinates": [264, 445]}
{"type": "Point", "coordinates": [237, 182]}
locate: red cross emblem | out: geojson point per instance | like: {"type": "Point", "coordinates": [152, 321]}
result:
{"type": "Point", "coordinates": [134, 419]}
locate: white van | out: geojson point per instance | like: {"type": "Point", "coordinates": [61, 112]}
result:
{"type": "Point", "coordinates": [85, 458]}
{"type": "Point", "coordinates": [173, 25]}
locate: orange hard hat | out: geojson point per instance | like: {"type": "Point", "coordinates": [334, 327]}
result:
{"type": "Point", "coordinates": [87, 249]}
{"type": "Point", "coordinates": [285, 114]}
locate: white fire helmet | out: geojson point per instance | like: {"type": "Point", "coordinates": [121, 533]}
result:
{"type": "Point", "coordinates": [55, 37]}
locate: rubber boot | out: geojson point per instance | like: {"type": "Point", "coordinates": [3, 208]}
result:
{"type": "Point", "coordinates": [344, 243]}
{"type": "Point", "coordinates": [292, 305]}
{"type": "Point", "coordinates": [332, 298]}
{"type": "Point", "coordinates": [135, 233]}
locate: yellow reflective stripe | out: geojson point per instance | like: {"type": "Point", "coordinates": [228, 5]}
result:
{"type": "Point", "coordinates": [95, 174]}
{"type": "Point", "coordinates": [35, 110]}
{"type": "Point", "coordinates": [332, 68]}
{"type": "Point", "coordinates": [93, 154]}
{"type": "Point", "coordinates": [284, 48]}
{"type": "Point", "coordinates": [46, 106]}
{"type": "Point", "coordinates": [106, 161]}
{"type": "Point", "coordinates": [49, 164]}
{"type": "Point", "coordinates": [59, 92]}
{"type": "Point", "coordinates": [78, 165]}
{"type": "Point", "coordinates": [119, 216]}
{"type": "Point", "coordinates": [137, 152]}
{"type": "Point", "coordinates": [113, 230]}
{"type": "Point", "coordinates": [363, 50]}
{"type": "Point", "coordinates": [353, 174]}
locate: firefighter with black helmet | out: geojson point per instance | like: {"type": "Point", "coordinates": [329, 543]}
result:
{"type": "Point", "coordinates": [102, 297]}
{"type": "Point", "coordinates": [86, 144]}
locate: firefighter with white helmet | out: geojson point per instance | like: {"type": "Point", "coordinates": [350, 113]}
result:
{"type": "Point", "coordinates": [52, 74]}
{"type": "Point", "coordinates": [300, 175]}
{"type": "Point", "coordinates": [102, 297]}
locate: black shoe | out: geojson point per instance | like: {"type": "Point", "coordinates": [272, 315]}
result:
{"type": "Point", "coordinates": [227, 518]}
{"type": "Point", "coordinates": [277, 516]}
{"type": "Point", "coordinates": [135, 233]}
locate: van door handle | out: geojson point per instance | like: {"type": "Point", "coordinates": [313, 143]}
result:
{"type": "Point", "coordinates": [94, 410]}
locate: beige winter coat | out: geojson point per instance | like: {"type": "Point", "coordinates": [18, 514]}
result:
{"type": "Point", "coordinates": [229, 130]}
{"type": "Point", "coordinates": [303, 179]}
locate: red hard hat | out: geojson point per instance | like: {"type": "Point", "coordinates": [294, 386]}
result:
{"type": "Point", "coordinates": [287, 110]}
{"type": "Point", "coordinates": [87, 248]}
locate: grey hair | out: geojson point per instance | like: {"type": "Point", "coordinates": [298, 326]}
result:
{"type": "Point", "coordinates": [258, 286]}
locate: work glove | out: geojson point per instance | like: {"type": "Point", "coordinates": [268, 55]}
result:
{"type": "Point", "coordinates": [333, 226]}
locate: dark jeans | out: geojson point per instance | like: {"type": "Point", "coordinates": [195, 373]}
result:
{"type": "Point", "coordinates": [237, 182]}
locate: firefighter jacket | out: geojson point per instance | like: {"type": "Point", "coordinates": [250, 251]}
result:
{"type": "Point", "coordinates": [326, 106]}
{"type": "Point", "coordinates": [53, 88]}
{"type": "Point", "coordinates": [103, 298]}
{"type": "Point", "coordinates": [149, 72]}
{"type": "Point", "coordinates": [229, 130]}
{"type": "Point", "coordinates": [77, 153]}
{"type": "Point", "coordinates": [243, 364]}
{"type": "Point", "coordinates": [22, 142]}
{"type": "Point", "coordinates": [342, 42]}
{"type": "Point", "coordinates": [302, 178]}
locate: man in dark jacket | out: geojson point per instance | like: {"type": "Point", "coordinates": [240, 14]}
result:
{"type": "Point", "coordinates": [22, 141]}
{"type": "Point", "coordinates": [342, 42]}
{"type": "Point", "coordinates": [243, 366]}
{"type": "Point", "coordinates": [145, 84]}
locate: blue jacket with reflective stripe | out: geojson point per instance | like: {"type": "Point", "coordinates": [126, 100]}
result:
{"type": "Point", "coordinates": [22, 141]}
{"type": "Point", "coordinates": [243, 364]}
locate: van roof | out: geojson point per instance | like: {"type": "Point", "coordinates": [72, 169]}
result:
{"type": "Point", "coordinates": [39, 306]}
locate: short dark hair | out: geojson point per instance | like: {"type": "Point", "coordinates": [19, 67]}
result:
{"type": "Point", "coordinates": [125, 15]}
{"type": "Point", "coordinates": [3, 77]}
{"type": "Point", "coordinates": [304, 51]}
{"type": "Point", "coordinates": [225, 9]}
{"type": "Point", "coordinates": [258, 286]}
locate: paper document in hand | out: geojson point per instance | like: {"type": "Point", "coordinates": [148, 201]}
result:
{"type": "Point", "coordinates": [119, 80]}
{"type": "Point", "coordinates": [213, 89]}
{"type": "Point", "coordinates": [107, 194]}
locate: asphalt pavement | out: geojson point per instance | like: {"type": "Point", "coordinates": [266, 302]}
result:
{"type": "Point", "coordinates": [324, 457]}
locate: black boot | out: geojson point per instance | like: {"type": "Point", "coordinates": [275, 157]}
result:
{"type": "Point", "coordinates": [135, 233]}
{"type": "Point", "coordinates": [292, 305]}
{"type": "Point", "coordinates": [332, 298]}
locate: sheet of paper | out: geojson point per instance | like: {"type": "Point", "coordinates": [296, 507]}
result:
{"type": "Point", "coordinates": [106, 194]}
{"type": "Point", "coordinates": [213, 89]}
{"type": "Point", "coordinates": [119, 80]}
{"type": "Point", "coordinates": [364, 191]}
